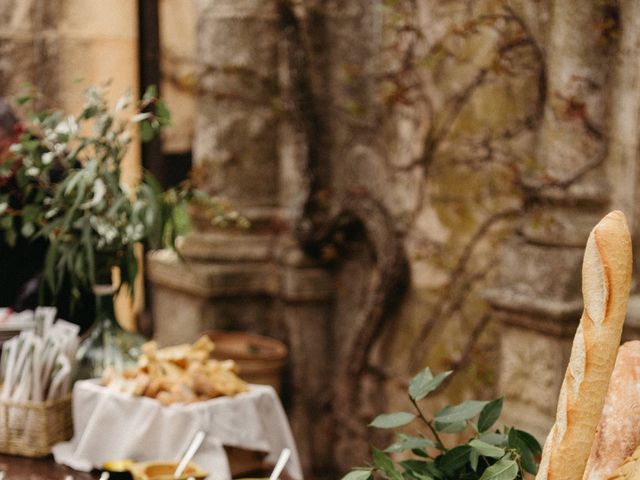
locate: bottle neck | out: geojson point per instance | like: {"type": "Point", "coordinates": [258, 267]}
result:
{"type": "Point", "coordinates": [104, 303]}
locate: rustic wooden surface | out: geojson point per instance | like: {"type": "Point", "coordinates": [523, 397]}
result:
{"type": "Point", "coordinates": [19, 468]}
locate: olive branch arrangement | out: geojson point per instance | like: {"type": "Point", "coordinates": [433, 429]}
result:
{"type": "Point", "coordinates": [491, 454]}
{"type": "Point", "coordinates": [63, 183]}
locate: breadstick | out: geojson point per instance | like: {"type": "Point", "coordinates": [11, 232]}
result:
{"type": "Point", "coordinates": [606, 278]}
{"type": "Point", "coordinates": [618, 435]}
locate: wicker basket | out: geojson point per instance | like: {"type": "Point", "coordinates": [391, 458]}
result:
{"type": "Point", "coordinates": [31, 429]}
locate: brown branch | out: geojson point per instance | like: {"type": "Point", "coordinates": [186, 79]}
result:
{"type": "Point", "coordinates": [454, 277]}
{"type": "Point", "coordinates": [465, 354]}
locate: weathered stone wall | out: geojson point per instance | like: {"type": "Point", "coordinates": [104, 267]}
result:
{"type": "Point", "coordinates": [430, 109]}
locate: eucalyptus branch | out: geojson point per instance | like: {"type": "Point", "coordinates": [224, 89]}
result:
{"type": "Point", "coordinates": [429, 424]}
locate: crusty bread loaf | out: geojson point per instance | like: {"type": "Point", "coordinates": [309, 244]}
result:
{"type": "Point", "coordinates": [630, 469]}
{"type": "Point", "coordinates": [606, 278]}
{"type": "Point", "coordinates": [618, 432]}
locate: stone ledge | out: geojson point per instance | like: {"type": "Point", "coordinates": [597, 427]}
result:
{"type": "Point", "coordinates": [554, 317]}
{"type": "Point", "coordinates": [212, 279]}
{"type": "Point", "coordinates": [562, 226]}
{"type": "Point", "coordinates": [229, 247]}
{"type": "Point", "coordinates": [306, 284]}
{"type": "Point", "coordinates": [208, 279]}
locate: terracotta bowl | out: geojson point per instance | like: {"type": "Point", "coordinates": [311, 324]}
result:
{"type": "Point", "coordinates": [164, 471]}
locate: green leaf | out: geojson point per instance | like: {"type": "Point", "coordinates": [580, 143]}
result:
{"type": "Point", "coordinates": [146, 131]}
{"type": "Point", "coordinates": [455, 427]}
{"type": "Point", "coordinates": [358, 475]}
{"type": "Point", "coordinates": [486, 449]}
{"type": "Point", "coordinates": [422, 467]}
{"type": "Point", "coordinates": [530, 441]}
{"type": "Point", "coordinates": [424, 383]}
{"type": "Point", "coordinates": [503, 469]}
{"type": "Point", "coordinates": [392, 420]}
{"type": "Point", "coordinates": [50, 265]}
{"type": "Point", "coordinates": [497, 439]}
{"type": "Point", "coordinates": [454, 459]}
{"type": "Point", "coordinates": [150, 93]}
{"type": "Point", "coordinates": [386, 465]}
{"type": "Point", "coordinates": [489, 415]}
{"type": "Point", "coordinates": [526, 455]}
{"type": "Point", "coordinates": [22, 99]}
{"type": "Point", "coordinates": [474, 456]}
{"type": "Point", "coordinates": [460, 413]}
{"type": "Point", "coordinates": [406, 442]}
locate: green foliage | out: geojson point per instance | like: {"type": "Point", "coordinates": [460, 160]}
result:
{"type": "Point", "coordinates": [63, 182]}
{"type": "Point", "coordinates": [501, 454]}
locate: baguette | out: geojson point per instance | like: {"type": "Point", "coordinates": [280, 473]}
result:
{"type": "Point", "coordinates": [630, 469]}
{"type": "Point", "coordinates": [618, 435]}
{"type": "Point", "coordinates": [606, 278]}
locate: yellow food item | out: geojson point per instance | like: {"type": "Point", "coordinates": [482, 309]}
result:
{"type": "Point", "coordinates": [178, 374]}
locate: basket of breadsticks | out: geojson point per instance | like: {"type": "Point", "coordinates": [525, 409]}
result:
{"type": "Point", "coordinates": [35, 397]}
{"type": "Point", "coordinates": [178, 374]}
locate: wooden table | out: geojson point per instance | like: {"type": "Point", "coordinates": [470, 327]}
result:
{"type": "Point", "coordinates": [20, 468]}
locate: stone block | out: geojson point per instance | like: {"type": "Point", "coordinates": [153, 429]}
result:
{"type": "Point", "coordinates": [535, 272]}
{"type": "Point", "coordinates": [533, 365]}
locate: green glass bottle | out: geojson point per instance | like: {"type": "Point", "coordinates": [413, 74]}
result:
{"type": "Point", "coordinates": [106, 344]}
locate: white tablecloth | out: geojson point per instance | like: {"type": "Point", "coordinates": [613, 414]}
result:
{"type": "Point", "coordinates": [111, 425]}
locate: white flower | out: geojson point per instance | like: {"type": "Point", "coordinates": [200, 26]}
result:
{"type": "Point", "coordinates": [47, 158]}
{"type": "Point", "coordinates": [68, 126]}
{"type": "Point", "coordinates": [140, 117]}
{"type": "Point", "coordinates": [15, 148]}
{"type": "Point", "coordinates": [3, 207]}
{"type": "Point", "coordinates": [32, 171]}
{"type": "Point", "coordinates": [99, 191]}
{"type": "Point", "coordinates": [28, 229]}
{"type": "Point", "coordinates": [123, 102]}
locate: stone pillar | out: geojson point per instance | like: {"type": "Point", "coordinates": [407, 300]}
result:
{"type": "Point", "coordinates": [538, 296]}
{"type": "Point", "coordinates": [236, 157]}
{"type": "Point", "coordinates": [306, 294]}
{"type": "Point", "coordinates": [254, 279]}
{"type": "Point", "coordinates": [237, 118]}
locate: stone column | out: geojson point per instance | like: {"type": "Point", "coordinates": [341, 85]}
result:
{"type": "Point", "coordinates": [538, 296]}
{"type": "Point", "coordinates": [306, 294]}
{"type": "Point", "coordinates": [252, 279]}
{"type": "Point", "coordinates": [236, 157]}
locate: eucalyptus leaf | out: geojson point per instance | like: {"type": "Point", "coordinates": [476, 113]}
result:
{"type": "Point", "coordinates": [386, 465]}
{"type": "Point", "coordinates": [460, 413]}
{"type": "Point", "coordinates": [420, 467]}
{"type": "Point", "coordinates": [486, 449]}
{"type": "Point", "coordinates": [489, 415]}
{"type": "Point", "coordinates": [392, 420]}
{"type": "Point", "coordinates": [474, 457]}
{"type": "Point", "coordinates": [526, 455]}
{"type": "Point", "coordinates": [454, 459]}
{"type": "Point", "coordinates": [453, 427]}
{"type": "Point", "coordinates": [504, 469]}
{"type": "Point", "coordinates": [406, 442]}
{"type": "Point", "coordinates": [358, 475]}
{"type": "Point", "coordinates": [424, 383]}
{"type": "Point", "coordinates": [530, 441]}
{"type": "Point", "coordinates": [497, 439]}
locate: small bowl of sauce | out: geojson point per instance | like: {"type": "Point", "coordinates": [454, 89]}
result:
{"type": "Point", "coordinates": [165, 470]}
